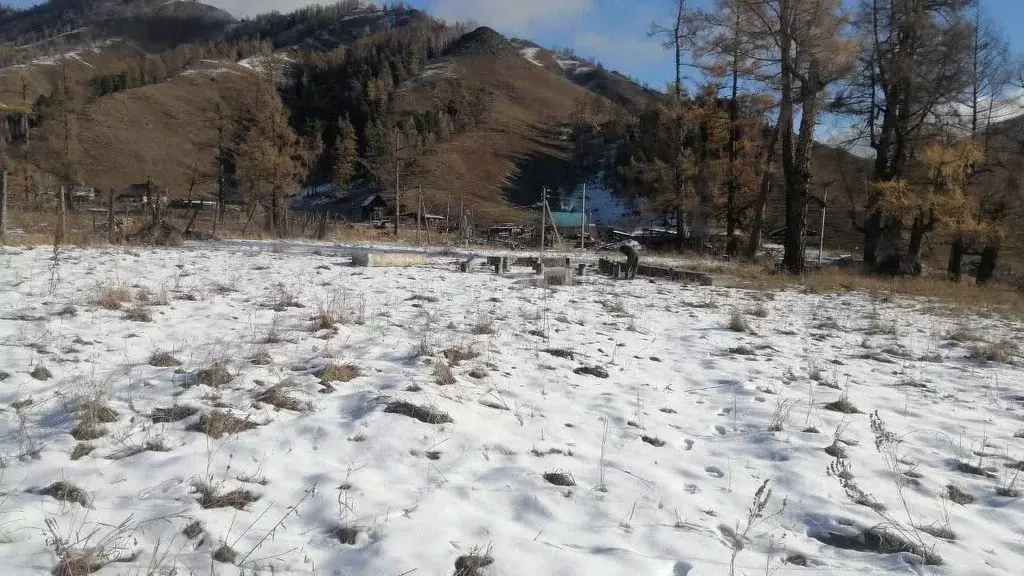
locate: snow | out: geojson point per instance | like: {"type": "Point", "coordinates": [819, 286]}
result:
{"type": "Point", "coordinates": [421, 494]}
{"type": "Point", "coordinates": [531, 55]}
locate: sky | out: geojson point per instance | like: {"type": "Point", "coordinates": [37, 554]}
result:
{"type": "Point", "coordinates": [612, 31]}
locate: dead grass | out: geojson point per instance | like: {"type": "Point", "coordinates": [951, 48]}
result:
{"type": "Point", "coordinates": [560, 478]}
{"type": "Point", "coordinates": [225, 554]}
{"type": "Point", "coordinates": [561, 353]}
{"type": "Point", "coordinates": [261, 358]}
{"type": "Point", "coordinates": [139, 313]}
{"type": "Point", "coordinates": [218, 424]}
{"type": "Point", "coordinates": [215, 376]}
{"type": "Point", "coordinates": [210, 497]}
{"type": "Point", "coordinates": [81, 450]}
{"type": "Point", "coordinates": [41, 372]}
{"type": "Point", "coordinates": [162, 359]}
{"type": "Point", "coordinates": [738, 323]}
{"type": "Point", "coordinates": [173, 414]}
{"type": "Point", "coordinates": [112, 296]}
{"type": "Point", "coordinates": [459, 354]}
{"type": "Point", "coordinates": [443, 375]}
{"type": "Point", "coordinates": [426, 414]}
{"type": "Point", "coordinates": [283, 397]}
{"type": "Point", "coordinates": [473, 564]}
{"type": "Point", "coordinates": [193, 530]}
{"type": "Point", "coordinates": [484, 327]}
{"type": "Point", "coordinates": [956, 297]}
{"type": "Point", "coordinates": [339, 373]}
{"type": "Point", "coordinates": [1001, 352]}
{"type": "Point", "coordinates": [67, 492]}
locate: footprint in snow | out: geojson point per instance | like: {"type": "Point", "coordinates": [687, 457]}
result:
{"type": "Point", "coordinates": [715, 471]}
{"type": "Point", "coordinates": [720, 429]}
{"type": "Point", "coordinates": [681, 568]}
{"type": "Point", "coordinates": [689, 444]}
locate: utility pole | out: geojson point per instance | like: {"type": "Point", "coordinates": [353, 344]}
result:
{"type": "Point", "coordinates": [583, 225]}
{"type": "Point", "coordinates": [543, 215]}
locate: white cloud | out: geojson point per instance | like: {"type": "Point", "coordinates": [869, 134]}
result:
{"type": "Point", "coordinates": [512, 15]}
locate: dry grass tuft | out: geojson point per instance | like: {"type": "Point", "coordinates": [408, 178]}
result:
{"type": "Point", "coordinates": [561, 353]}
{"type": "Point", "coordinates": [427, 414]}
{"type": "Point", "coordinates": [472, 564]}
{"type": "Point", "coordinates": [339, 373]}
{"type": "Point", "coordinates": [139, 313]}
{"type": "Point", "coordinates": [193, 530]}
{"type": "Point", "coordinates": [1002, 352]}
{"type": "Point", "coordinates": [443, 375]}
{"type": "Point", "coordinates": [738, 323]}
{"type": "Point", "coordinates": [215, 376]}
{"type": "Point", "coordinates": [67, 492]}
{"type": "Point", "coordinates": [459, 354]}
{"type": "Point", "coordinates": [560, 478]}
{"type": "Point", "coordinates": [209, 497]}
{"type": "Point", "coordinates": [173, 414]}
{"type": "Point", "coordinates": [82, 450]}
{"type": "Point", "coordinates": [79, 564]}
{"type": "Point", "coordinates": [218, 424]}
{"type": "Point", "coordinates": [111, 297]}
{"type": "Point", "coordinates": [225, 554]}
{"type": "Point", "coordinates": [162, 359]}
{"type": "Point", "coordinates": [261, 358]}
{"type": "Point", "coordinates": [283, 397]}
{"type": "Point", "coordinates": [484, 327]}
{"type": "Point", "coordinates": [958, 495]}
{"type": "Point", "coordinates": [596, 371]}
{"type": "Point", "coordinates": [41, 372]}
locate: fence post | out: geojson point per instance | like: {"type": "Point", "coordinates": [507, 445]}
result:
{"type": "Point", "coordinates": [110, 216]}
{"type": "Point", "coordinates": [3, 206]}
{"type": "Point", "coordinates": [63, 216]}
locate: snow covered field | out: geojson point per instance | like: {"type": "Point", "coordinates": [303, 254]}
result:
{"type": "Point", "coordinates": [244, 409]}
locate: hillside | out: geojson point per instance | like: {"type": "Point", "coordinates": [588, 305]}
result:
{"type": "Point", "coordinates": [490, 118]}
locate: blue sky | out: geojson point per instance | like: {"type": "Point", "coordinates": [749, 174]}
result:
{"type": "Point", "coordinates": [612, 31]}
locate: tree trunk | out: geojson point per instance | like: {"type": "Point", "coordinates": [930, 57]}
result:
{"type": "Point", "coordinates": [987, 266]}
{"type": "Point", "coordinates": [764, 190]}
{"type": "Point", "coordinates": [956, 259]}
{"type": "Point", "coordinates": [732, 187]}
{"type": "Point", "coordinates": [917, 231]}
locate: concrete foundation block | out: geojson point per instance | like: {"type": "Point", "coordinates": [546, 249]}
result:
{"type": "Point", "coordinates": [559, 276]}
{"type": "Point", "coordinates": [388, 260]}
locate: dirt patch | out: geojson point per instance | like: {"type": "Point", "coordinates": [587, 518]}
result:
{"type": "Point", "coordinates": [218, 424]}
{"type": "Point", "coordinates": [193, 530]}
{"type": "Point", "coordinates": [427, 414]}
{"type": "Point", "coordinates": [67, 492]}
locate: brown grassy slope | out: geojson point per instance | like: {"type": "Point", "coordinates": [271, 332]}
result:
{"type": "Point", "coordinates": [517, 148]}
{"type": "Point", "coordinates": [160, 131]}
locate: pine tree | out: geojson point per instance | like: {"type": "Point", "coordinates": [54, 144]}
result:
{"type": "Point", "coordinates": [345, 154]}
